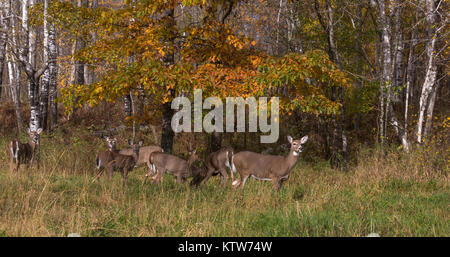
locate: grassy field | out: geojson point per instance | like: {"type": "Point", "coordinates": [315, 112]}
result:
{"type": "Point", "coordinates": [392, 194]}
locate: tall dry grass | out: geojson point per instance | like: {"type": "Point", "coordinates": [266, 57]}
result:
{"type": "Point", "coordinates": [388, 192]}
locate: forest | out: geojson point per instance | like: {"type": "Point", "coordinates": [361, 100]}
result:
{"type": "Point", "coordinates": [357, 91]}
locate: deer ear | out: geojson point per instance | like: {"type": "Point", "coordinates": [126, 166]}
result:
{"type": "Point", "coordinates": [141, 143]}
{"type": "Point", "coordinates": [195, 150]}
{"type": "Point", "coordinates": [39, 131]}
{"type": "Point", "coordinates": [304, 139]}
{"type": "Point", "coordinates": [289, 138]}
{"type": "Point", "coordinates": [130, 142]}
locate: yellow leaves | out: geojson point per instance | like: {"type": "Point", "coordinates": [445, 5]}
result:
{"type": "Point", "coordinates": [98, 90]}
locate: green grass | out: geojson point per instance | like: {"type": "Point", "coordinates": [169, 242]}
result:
{"type": "Point", "coordinates": [391, 195]}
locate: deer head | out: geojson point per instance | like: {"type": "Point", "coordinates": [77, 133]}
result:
{"type": "Point", "coordinates": [111, 143]}
{"type": "Point", "coordinates": [193, 157]}
{"type": "Point", "coordinates": [34, 137]}
{"type": "Point", "coordinates": [297, 145]}
{"type": "Point", "coordinates": [136, 147]}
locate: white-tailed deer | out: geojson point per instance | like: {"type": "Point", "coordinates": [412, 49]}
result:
{"type": "Point", "coordinates": [112, 161]}
{"type": "Point", "coordinates": [273, 168]}
{"type": "Point", "coordinates": [105, 157]}
{"type": "Point", "coordinates": [144, 154]}
{"type": "Point", "coordinates": [20, 153]}
{"type": "Point", "coordinates": [216, 163]}
{"type": "Point", "coordinates": [176, 166]}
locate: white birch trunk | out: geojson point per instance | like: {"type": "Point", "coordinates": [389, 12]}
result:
{"type": "Point", "coordinates": [53, 74]}
{"type": "Point", "coordinates": [43, 101]}
{"type": "Point", "coordinates": [431, 69]}
{"type": "Point", "coordinates": [13, 69]}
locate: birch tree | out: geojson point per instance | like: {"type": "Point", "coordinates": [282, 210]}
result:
{"type": "Point", "coordinates": [3, 39]}
{"type": "Point", "coordinates": [11, 7]}
{"type": "Point", "coordinates": [20, 51]}
{"type": "Point", "coordinates": [427, 96]}
{"type": "Point", "coordinates": [48, 83]}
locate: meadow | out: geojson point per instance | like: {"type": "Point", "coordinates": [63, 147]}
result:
{"type": "Point", "coordinates": [387, 192]}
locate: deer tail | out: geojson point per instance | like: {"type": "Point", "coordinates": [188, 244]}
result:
{"type": "Point", "coordinates": [233, 168]}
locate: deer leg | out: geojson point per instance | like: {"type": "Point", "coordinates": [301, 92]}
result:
{"type": "Point", "coordinates": [158, 176]}
{"type": "Point", "coordinates": [27, 165]}
{"type": "Point", "coordinates": [30, 164]}
{"type": "Point", "coordinates": [109, 173]}
{"type": "Point", "coordinates": [179, 178]}
{"type": "Point", "coordinates": [223, 177]}
{"type": "Point", "coordinates": [11, 166]}
{"type": "Point", "coordinates": [149, 172]}
{"type": "Point", "coordinates": [241, 181]}
{"type": "Point", "coordinates": [244, 180]}
{"type": "Point", "coordinates": [208, 175]}
{"type": "Point", "coordinates": [276, 183]}
{"type": "Point", "coordinates": [124, 177]}
{"type": "Point", "coordinates": [237, 182]}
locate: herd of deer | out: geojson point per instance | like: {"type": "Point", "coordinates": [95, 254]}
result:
{"type": "Point", "coordinates": [273, 168]}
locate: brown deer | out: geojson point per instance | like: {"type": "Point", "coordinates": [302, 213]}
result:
{"type": "Point", "coordinates": [104, 157]}
{"type": "Point", "coordinates": [216, 163]}
{"type": "Point", "coordinates": [113, 161]}
{"type": "Point", "coordinates": [273, 168]}
{"type": "Point", "coordinates": [20, 153]}
{"type": "Point", "coordinates": [176, 166]}
{"type": "Point", "coordinates": [144, 154]}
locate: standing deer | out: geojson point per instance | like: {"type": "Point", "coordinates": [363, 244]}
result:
{"type": "Point", "coordinates": [216, 163]}
{"type": "Point", "coordinates": [104, 157]}
{"type": "Point", "coordinates": [20, 153]}
{"type": "Point", "coordinates": [112, 161]}
{"type": "Point", "coordinates": [176, 166]}
{"type": "Point", "coordinates": [267, 167]}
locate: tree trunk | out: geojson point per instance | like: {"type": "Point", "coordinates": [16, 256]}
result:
{"type": "Point", "coordinates": [335, 58]}
{"type": "Point", "coordinates": [167, 134]}
{"type": "Point", "coordinates": [53, 72]}
{"type": "Point", "coordinates": [387, 111]}
{"type": "Point", "coordinates": [127, 105]}
{"type": "Point", "coordinates": [398, 56]}
{"type": "Point", "coordinates": [216, 141]}
{"type": "Point", "coordinates": [13, 69]}
{"type": "Point", "coordinates": [431, 69]}
{"type": "Point", "coordinates": [3, 39]}
{"type": "Point", "coordinates": [13, 74]}
{"type": "Point", "coordinates": [77, 74]}
{"type": "Point", "coordinates": [409, 80]}
{"type": "Point", "coordinates": [359, 64]}
{"type": "Point", "coordinates": [43, 104]}
{"type": "Point", "coordinates": [429, 120]}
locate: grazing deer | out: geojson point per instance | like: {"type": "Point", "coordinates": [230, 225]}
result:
{"type": "Point", "coordinates": [144, 154]}
{"type": "Point", "coordinates": [176, 166]}
{"type": "Point", "coordinates": [216, 163]}
{"type": "Point", "coordinates": [112, 161]}
{"type": "Point", "coordinates": [267, 167]}
{"type": "Point", "coordinates": [20, 153]}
